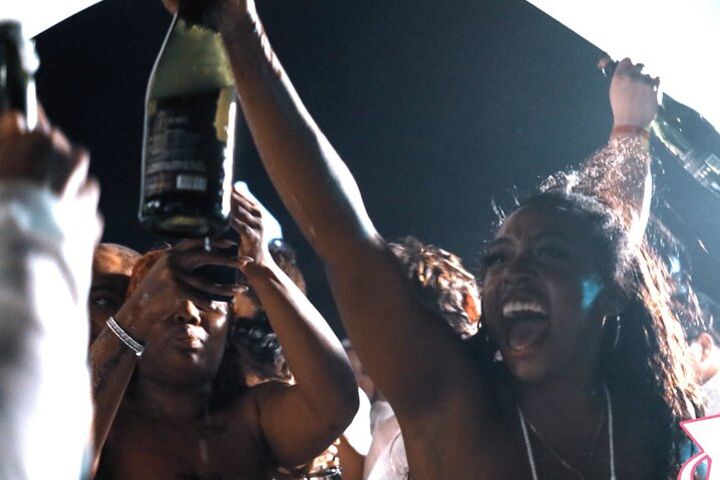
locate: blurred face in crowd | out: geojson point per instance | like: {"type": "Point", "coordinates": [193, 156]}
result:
{"type": "Point", "coordinates": [542, 296]}
{"type": "Point", "coordinates": [187, 347]}
{"type": "Point", "coordinates": [111, 270]}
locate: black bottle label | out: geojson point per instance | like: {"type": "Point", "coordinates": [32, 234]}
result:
{"type": "Point", "coordinates": [186, 144]}
{"type": "Point", "coordinates": [188, 163]}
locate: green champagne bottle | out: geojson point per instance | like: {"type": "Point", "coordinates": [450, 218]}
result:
{"type": "Point", "coordinates": [189, 136]}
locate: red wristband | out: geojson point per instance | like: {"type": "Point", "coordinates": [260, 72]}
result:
{"type": "Point", "coordinates": [630, 130]}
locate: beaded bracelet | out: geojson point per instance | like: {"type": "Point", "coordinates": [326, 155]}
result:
{"type": "Point", "coordinates": [125, 337]}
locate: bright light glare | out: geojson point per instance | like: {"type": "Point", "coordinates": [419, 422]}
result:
{"type": "Point", "coordinates": [676, 40]}
{"type": "Point", "coordinates": [271, 225]}
{"type": "Point", "coordinates": [39, 15]}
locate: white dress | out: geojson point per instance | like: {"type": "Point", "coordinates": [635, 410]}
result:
{"type": "Point", "coordinates": [386, 459]}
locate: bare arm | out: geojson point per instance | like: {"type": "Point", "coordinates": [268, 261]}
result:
{"type": "Point", "coordinates": [399, 339]}
{"type": "Point", "coordinates": [299, 420]}
{"type": "Point", "coordinates": [112, 364]}
{"type": "Point", "coordinates": [619, 174]}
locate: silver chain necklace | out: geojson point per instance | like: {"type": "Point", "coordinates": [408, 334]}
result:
{"type": "Point", "coordinates": [611, 441]}
{"type": "Point", "coordinates": [559, 458]}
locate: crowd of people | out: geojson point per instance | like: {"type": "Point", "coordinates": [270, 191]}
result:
{"type": "Point", "coordinates": [567, 355]}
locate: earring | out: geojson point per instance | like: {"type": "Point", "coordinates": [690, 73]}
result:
{"type": "Point", "coordinates": [615, 335]}
{"type": "Point", "coordinates": [489, 348]}
{"type": "Point", "coordinates": [618, 328]}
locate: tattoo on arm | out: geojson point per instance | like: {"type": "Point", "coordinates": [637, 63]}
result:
{"type": "Point", "coordinates": [100, 375]}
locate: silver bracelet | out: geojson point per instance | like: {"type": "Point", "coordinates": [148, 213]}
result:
{"type": "Point", "coordinates": [125, 337]}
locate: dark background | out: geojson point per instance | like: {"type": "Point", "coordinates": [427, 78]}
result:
{"type": "Point", "coordinates": [438, 107]}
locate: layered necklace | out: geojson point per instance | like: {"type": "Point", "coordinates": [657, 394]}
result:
{"type": "Point", "coordinates": [528, 446]}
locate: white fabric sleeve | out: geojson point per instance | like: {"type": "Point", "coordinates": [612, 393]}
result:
{"type": "Point", "coordinates": [45, 270]}
{"type": "Point", "coordinates": [358, 434]}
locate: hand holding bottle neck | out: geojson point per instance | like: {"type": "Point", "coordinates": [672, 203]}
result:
{"type": "Point", "coordinates": [633, 98]}
{"type": "Point", "coordinates": [220, 15]}
{"type": "Point", "coordinates": [238, 5]}
{"type": "Point", "coordinates": [236, 18]}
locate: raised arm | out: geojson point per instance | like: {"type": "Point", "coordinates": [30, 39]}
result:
{"type": "Point", "coordinates": [399, 339]}
{"type": "Point", "coordinates": [619, 174]}
{"type": "Point", "coordinates": [299, 420]}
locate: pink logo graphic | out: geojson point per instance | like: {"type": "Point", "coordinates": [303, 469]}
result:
{"type": "Point", "coordinates": [705, 432]}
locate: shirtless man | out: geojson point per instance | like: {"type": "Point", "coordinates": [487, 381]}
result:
{"type": "Point", "coordinates": [111, 270]}
{"type": "Point", "coordinates": [182, 409]}
{"type": "Point", "coordinates": [458, 420]}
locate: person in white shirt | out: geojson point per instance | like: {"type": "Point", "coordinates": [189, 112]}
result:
{"type": "Point", "coordinates": [48, 229]}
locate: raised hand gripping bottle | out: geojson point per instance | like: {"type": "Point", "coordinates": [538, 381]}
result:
{"type": "Point", "coordinates": [686, 134]}
{"type": "Point", "coordinates": [189, 135]}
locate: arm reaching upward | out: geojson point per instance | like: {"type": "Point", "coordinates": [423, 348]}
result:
{"type": "Point", "coordinates": [312, 180]}
{"type": "Point", "coordinates": [619, 174]}
{"type": "Point", "coordinates": [298, 420]}
{"type": "Point", "coordinates": [399, 338]}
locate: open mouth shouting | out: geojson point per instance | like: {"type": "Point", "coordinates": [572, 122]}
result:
{"type": "Point", "coordinates": [526, 324]}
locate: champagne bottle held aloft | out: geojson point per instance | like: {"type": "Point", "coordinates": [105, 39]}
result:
{"type": "Point", "coordinates": [18, 64]}
{"type": "Point", "coordinates": [687, 136]}
{"type": "Point", "coordinates": [189, 135]}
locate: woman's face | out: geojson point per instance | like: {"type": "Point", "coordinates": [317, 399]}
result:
{"type": "Point", "coordinates": [543, 298]}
